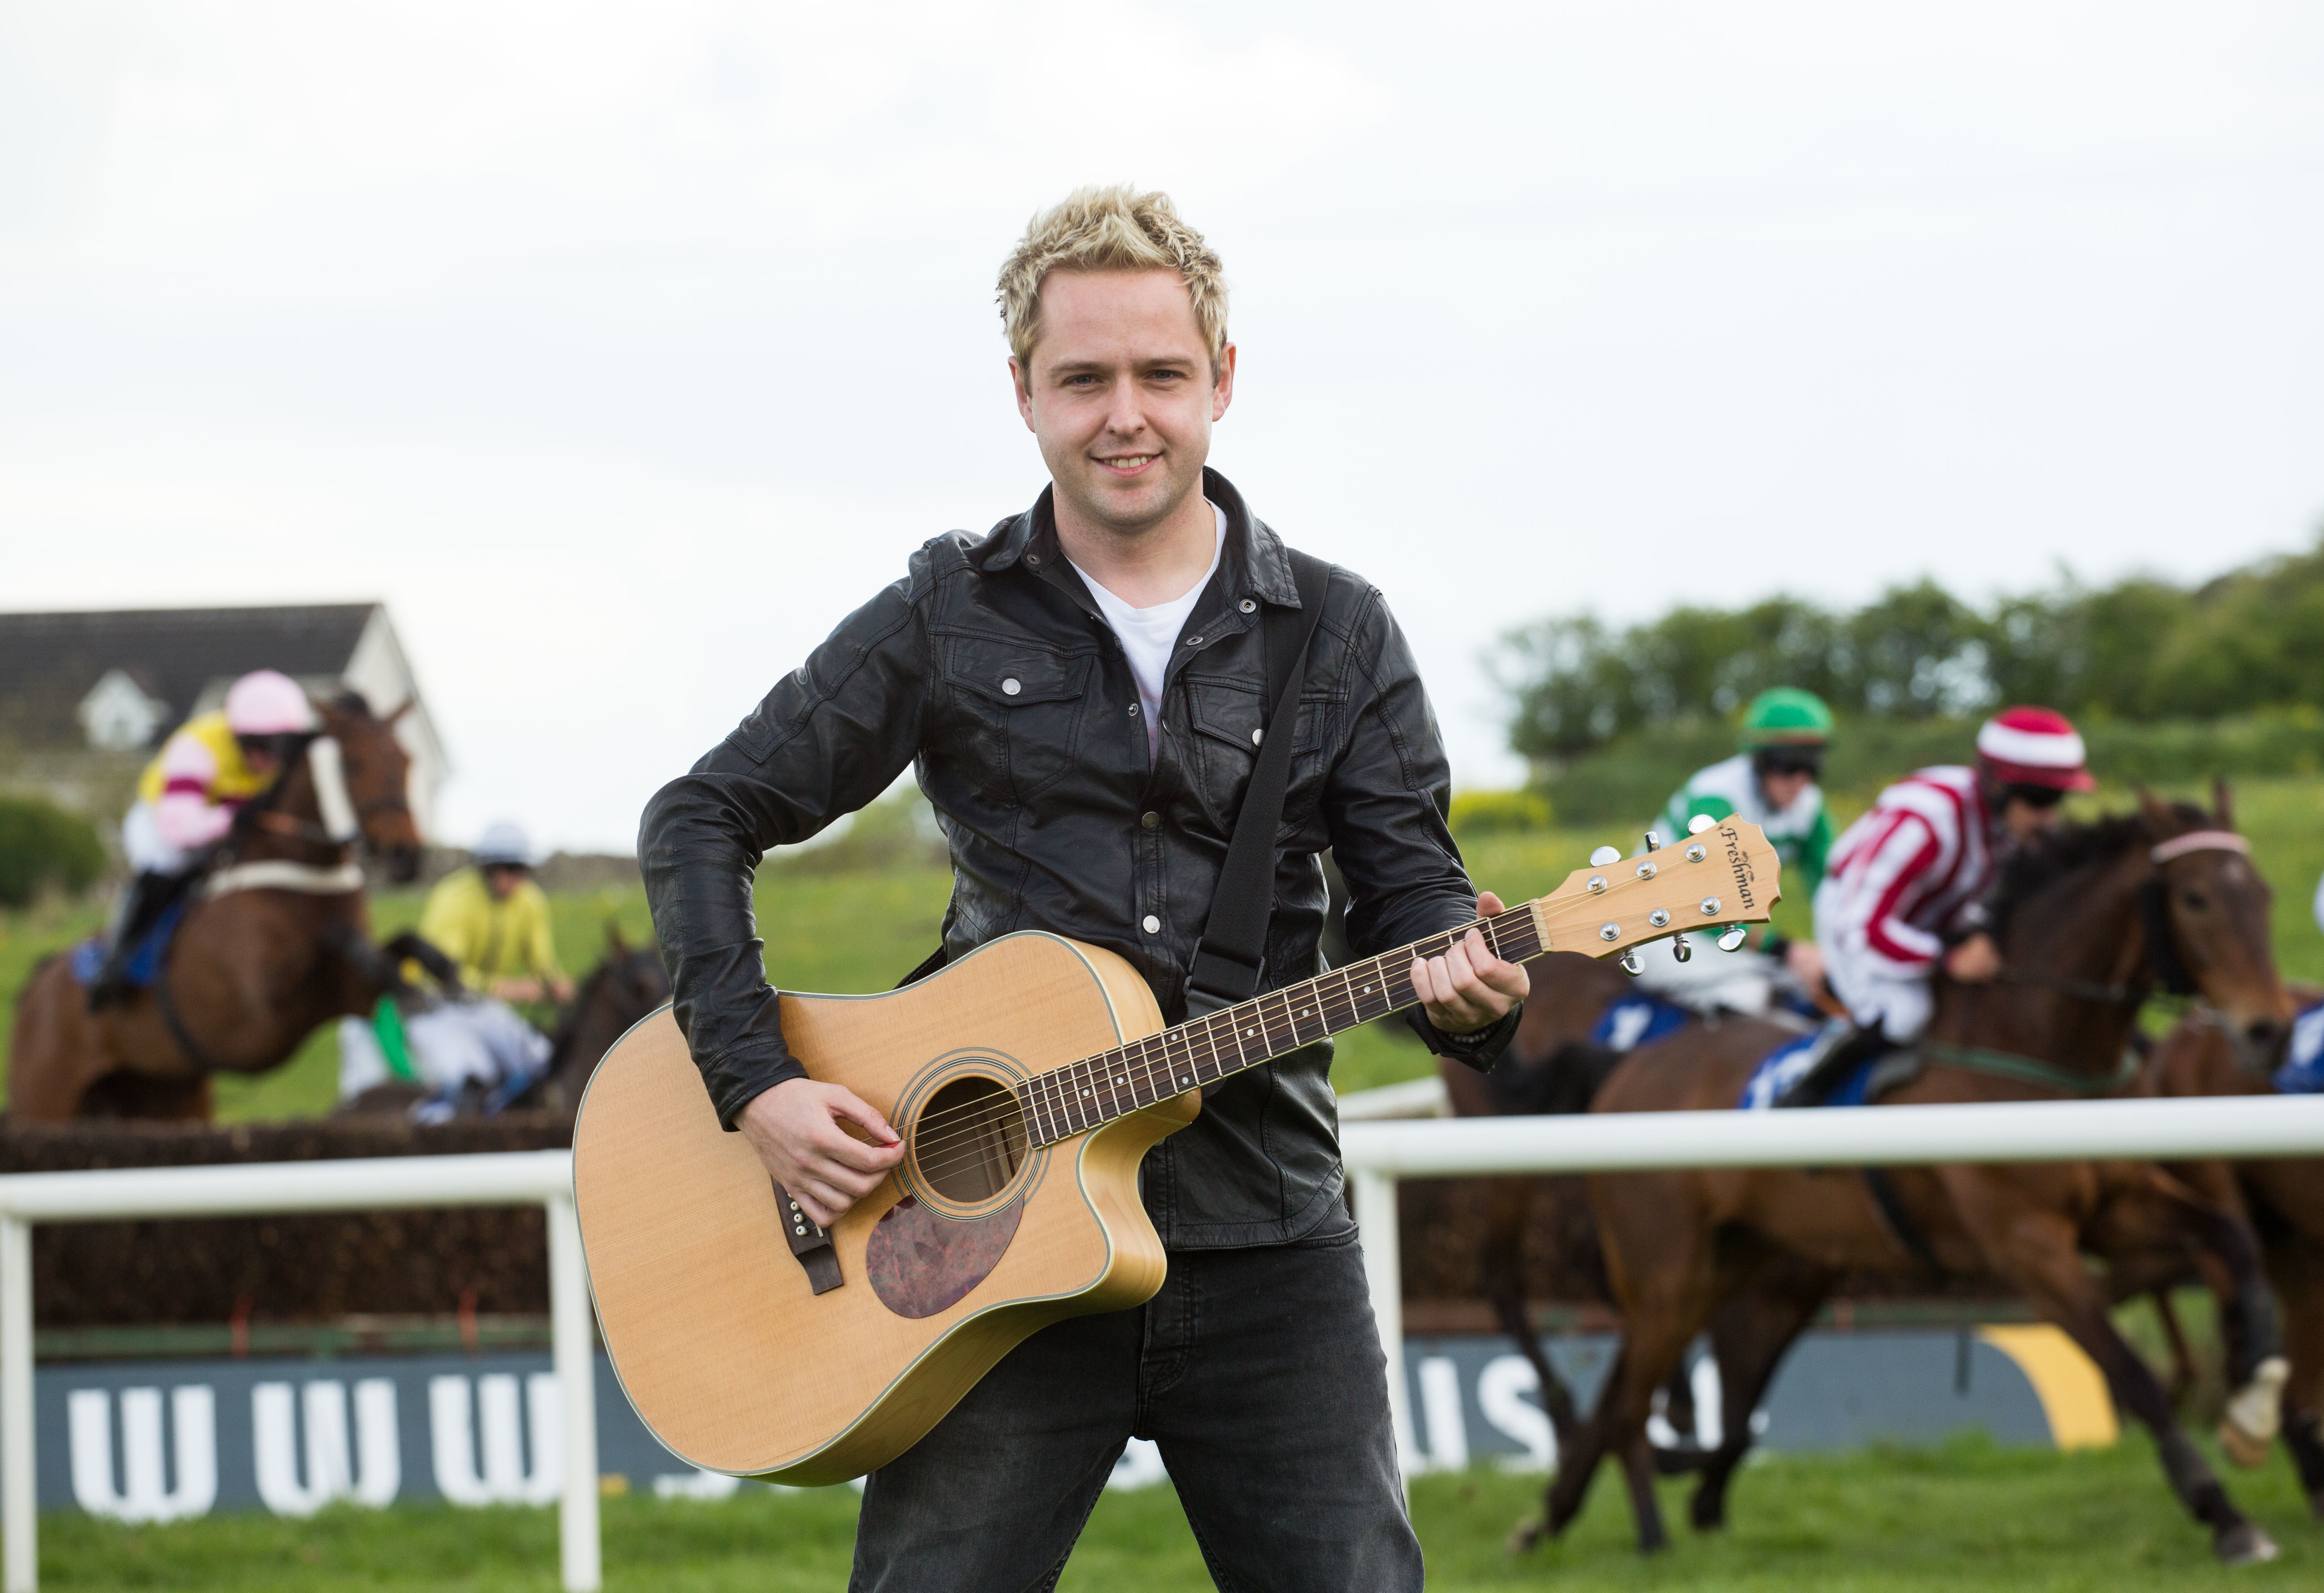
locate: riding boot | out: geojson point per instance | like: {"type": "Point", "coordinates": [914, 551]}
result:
{"type": "Point", "coordinates": [143, 900]}
{"type": "Point", "coordinates": [1831, 1069]}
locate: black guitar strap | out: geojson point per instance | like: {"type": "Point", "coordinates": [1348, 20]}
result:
{"type": "Point", "coordinates": [1234, 939]}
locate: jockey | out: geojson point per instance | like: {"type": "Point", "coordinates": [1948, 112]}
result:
{"type": "Point", "coordinates": [186, 799]}
{"type": "Point", "coordinates": [1771, 783]}
{"type": "Point", "coordinates": [493, 920]}
{"type": "Point", "coordinates": [1908, 880]}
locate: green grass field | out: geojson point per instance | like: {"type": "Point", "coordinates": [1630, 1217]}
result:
{"type": "Point", "coordinates": [1966, 1517]}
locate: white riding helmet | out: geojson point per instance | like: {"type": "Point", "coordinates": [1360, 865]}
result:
{"type": "Point", "coordinates": [504, 842]}
{"type": "Point", "coordinates": [268, 703]}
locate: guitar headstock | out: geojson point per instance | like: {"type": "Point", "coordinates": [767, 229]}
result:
{"type": "Point", "coordinates": [1725, 874]}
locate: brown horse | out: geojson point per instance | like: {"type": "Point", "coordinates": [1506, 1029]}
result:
{"type": "Point", "coordinates": [275, 941]}
{"type": "Point", "coordinates": [1551, 1067]}
{"type": "Point", "coordinates": [2206, 1055]}
{"type": "Point", "coordinates": [1682, 1245]}
{"type": "Point", "coordinates": [1554, 1067]}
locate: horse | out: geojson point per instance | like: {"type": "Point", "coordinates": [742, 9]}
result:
{"type": "Point", "coordinates": [624, 988]}
{"type": "Point", "coordinates": [2206, 1055]}
{"type": "Point", "coordinates": [1752, 1253]}
{"type": "Point", "coordinates": [275, 941]}
{"type": "Point", "coordinates": [1554, 1066]}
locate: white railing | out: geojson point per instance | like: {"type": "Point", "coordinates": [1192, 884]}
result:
{"type": "Point", "coordinates": [1380, 1153]}
{"type": "Point", "coordinates": [516, 1178]}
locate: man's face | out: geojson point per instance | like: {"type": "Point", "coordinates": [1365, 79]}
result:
{"type": "Point", "coordinates": [502, 880]}
{"type": "Point", "coordinates": [1119, 395]}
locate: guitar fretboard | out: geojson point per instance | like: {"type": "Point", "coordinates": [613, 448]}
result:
{"type": "Point", "coordinates": [1096, 1089]}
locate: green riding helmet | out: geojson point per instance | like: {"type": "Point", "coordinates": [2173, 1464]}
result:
{"type": "Point", "coordinates": [1787, 716]}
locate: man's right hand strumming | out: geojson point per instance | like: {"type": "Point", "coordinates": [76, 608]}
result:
{"type": "Point", "coordinates": [796, 1128]}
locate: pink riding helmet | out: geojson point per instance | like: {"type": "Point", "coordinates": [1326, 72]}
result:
{"type": "Point", "coordinates": [268, 703]}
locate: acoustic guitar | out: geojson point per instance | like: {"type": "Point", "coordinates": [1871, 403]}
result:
{"type": "Point", "coordinates": [1026, 1080]}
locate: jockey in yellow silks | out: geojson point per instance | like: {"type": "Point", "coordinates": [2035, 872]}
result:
{"type": "Point", "coordinates": [188, 796]}
{"type": "Point", "coordinates": [493, 920]}
{"type": "Point", "coordinates": [471, 1051]}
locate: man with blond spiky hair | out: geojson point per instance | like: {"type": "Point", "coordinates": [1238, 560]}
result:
{"type": "Point", "coordinates": [1081, 692]}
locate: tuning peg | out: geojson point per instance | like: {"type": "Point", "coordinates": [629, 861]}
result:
{"type": "Point", "coordinates": [1631, 964]}
{"type": "Point", "coordinates": [1731, 938]}
{"type": "Point", "coordinates": [1699, 824]}
{"type": "Point", "coordinates": [1604, 855]}
{"type": "Point", "coordinates": [1680, 948]}
{"type": "Point", "coordinates": [1653, 841]}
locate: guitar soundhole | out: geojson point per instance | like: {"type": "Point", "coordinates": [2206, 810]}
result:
{"type": "Point", "coordinates": [970, 1140]}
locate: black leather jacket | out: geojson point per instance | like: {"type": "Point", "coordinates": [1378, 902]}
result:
{"type": "Point", "coordinates": [989, 668]}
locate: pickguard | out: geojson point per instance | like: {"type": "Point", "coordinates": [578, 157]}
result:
{"type": "Point", "coordinates": [920, 1263]}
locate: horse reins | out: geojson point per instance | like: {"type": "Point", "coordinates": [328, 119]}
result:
{"type": "Point", "coordinates": [2162, 960]}
{"type": "Point", "coordinates": [2161, 949]}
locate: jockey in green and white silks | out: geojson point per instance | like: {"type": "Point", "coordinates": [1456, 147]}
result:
{"type": "Point", "coordinates": [1770, 783]}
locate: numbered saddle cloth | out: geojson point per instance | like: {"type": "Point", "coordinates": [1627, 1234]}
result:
{"type": "Point", "coordinates": [2302, 1074]}
{"type": "Point", "coordinates": [145, 963]}
{"type": "Point", "coordinates": [1637, 1020]}
{"type": "Point", "coordinates": [1794, 1059]}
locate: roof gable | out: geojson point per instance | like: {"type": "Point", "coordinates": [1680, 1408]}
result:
{"type": "Point", "coordinates": [49, 662]}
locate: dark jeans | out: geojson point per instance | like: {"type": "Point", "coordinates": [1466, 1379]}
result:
{"type": "Point", "coordinates": [1258, 1372]}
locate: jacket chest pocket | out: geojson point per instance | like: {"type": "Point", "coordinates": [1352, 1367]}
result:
{"type": "Point", "coordinates": [1016, 714]}
{"type": "Point", "coordinates": [1226, 716]}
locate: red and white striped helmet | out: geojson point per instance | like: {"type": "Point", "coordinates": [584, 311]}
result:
{"type": "Point", "coordinates": [2034, 747]}
{"type": "Point", "coordinates": [267, 702]}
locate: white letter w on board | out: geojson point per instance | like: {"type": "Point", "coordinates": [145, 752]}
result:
{"type": "Point", "coordinates": [368, 1471]}
{"type": "Point", "coordinates": [502, 1478]}
{"type": "Point", "coordinates": [143, 1494]}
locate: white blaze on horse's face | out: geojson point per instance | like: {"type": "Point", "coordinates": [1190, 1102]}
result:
{"type": "Point", "coordinates": [337, 809]}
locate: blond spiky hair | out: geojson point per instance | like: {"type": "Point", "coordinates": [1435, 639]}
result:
{"type": "Point", "coordinates": [1113, 228]}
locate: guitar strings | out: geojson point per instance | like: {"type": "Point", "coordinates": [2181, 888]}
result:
{"type": "Point", "coordinates": [1339, 1011]}
{"type": "Point", "coordinates": [1339, 1005]}
{"type": "Point", "coordinates": [951, 1147]}
{"type": "Point", "coordinates": [946, 1140]}
{"type": "Point", "coordinates": [1345, 1001]}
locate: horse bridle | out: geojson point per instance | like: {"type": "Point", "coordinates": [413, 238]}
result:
{"type": "Point", "coordinates": [2162, 958]}
{"type": "Point", "coordinates": [260, 811]}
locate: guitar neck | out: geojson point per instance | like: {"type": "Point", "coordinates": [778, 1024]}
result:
{"type": "Point", "coordinates": [1725, 874]}
{"type": "Point", "coordinates": [1096, 1089]}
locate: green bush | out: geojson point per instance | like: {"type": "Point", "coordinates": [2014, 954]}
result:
{"type": "Point", "coordinates": [1498, 813]}
{"type": "Point", "coordinates": [2143, 650]}
{"type": "Point", "coordinates": [42, 846]}
{"type": "Point", "coordinates": [898, 831]}
{"type": "Point", "coordinates": [1630, 779]}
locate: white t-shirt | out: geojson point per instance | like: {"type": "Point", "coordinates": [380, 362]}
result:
{"type": "Point", "coordinates": [1148, 635]}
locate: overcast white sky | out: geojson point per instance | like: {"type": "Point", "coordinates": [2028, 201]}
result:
{"type": "Point", "coordinates": [623, 350]}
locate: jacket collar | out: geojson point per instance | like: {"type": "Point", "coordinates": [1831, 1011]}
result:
{"type": "Point", "coordinates": [1253, 560]}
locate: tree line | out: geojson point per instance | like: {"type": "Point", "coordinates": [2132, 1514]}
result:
{"type": "Point", "coordinates": [2142, 649]}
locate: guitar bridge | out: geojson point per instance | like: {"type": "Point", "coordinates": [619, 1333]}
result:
{"type": "Point", "coordinates": [808, 1241]}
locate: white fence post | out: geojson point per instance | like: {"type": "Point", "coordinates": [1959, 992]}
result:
{"type": "Point", "coordinates": [19, 1502]}
{"type": "Point", "coordinates": [1384, 1273]}
{"type": "Point", "coordinates": [506, 1178]}
{"type": "Point", "coordinates": [572, 1347]}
